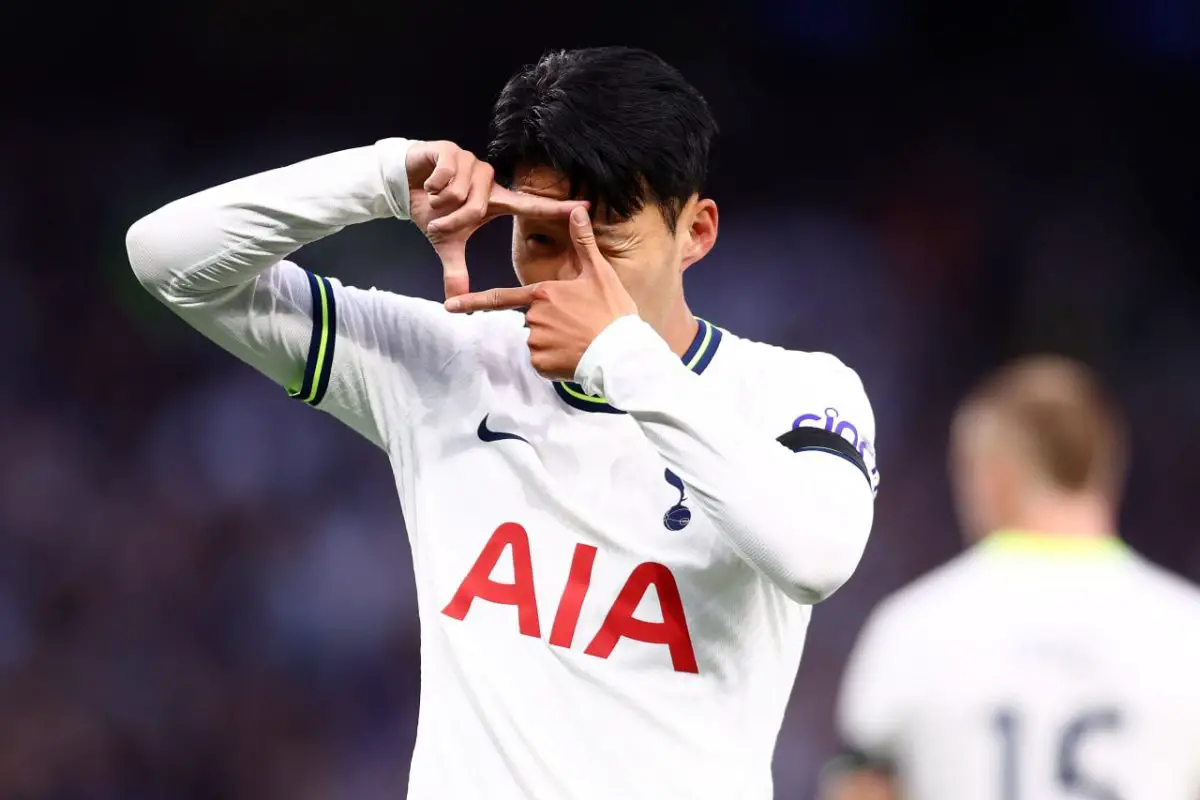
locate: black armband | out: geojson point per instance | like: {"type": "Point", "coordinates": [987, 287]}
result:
{"type": "Point", "coordinates": [802, 439]}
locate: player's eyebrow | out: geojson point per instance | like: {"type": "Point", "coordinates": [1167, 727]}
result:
{"type": "Point", "coordinates": [604, 231]}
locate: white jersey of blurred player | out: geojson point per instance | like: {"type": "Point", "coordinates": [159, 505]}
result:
{"type": "Point", "coordinates": [1034, 666]}
{"type": "Point", "coordinates": [586, 631]}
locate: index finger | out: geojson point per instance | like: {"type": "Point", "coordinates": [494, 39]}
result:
{"type": "Point", "coordinates": [507, 202]}
{"type": "Point", "coordinates": [492, 300]}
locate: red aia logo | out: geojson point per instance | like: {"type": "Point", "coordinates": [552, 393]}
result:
{"type": "Point", "coordinates": [618, 623]}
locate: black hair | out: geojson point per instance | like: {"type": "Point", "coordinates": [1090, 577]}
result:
{"type": "Point", "coordinates": [619, 123]}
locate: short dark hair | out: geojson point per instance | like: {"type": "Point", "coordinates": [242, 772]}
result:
{"type": "Point", "coordinates": [619, 123]}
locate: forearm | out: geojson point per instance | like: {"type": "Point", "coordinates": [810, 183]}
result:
{"type": "Point", "coordinates": [229, 234]}
{"type": "Point", "coordinates": [217, 259]}
{"type": "Point", "coordinates": [802, 519]}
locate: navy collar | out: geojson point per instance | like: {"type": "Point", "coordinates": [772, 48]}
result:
{"type": "Point", "coordinates": [699, 353]}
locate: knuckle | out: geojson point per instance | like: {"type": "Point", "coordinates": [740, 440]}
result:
{"type": "Point", "coordinates": [436, 184]}
{"type": "Point", "coordinates": [479, 208]}
{"type": "Point", "coordinates": [441, 228]}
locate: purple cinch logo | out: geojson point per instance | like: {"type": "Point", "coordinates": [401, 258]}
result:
{"type": "Point", "coordinates": [831, 421]}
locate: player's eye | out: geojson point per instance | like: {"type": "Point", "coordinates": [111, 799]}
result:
{"type": "Point", "coordinates": [539, 240]}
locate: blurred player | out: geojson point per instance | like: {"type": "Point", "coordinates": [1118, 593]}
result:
{"type": "Point", "coordinates": [1047, 662]}
{"type": "Point", "coordinates": [620, 514]}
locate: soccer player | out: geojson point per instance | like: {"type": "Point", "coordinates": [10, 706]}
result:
{"type": "Point", "coordinates": [620, 514]}
{"type": "Point", "coordinates": [1047, 662]}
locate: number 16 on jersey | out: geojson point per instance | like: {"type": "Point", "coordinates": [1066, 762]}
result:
{"type": "Point", "coordinates": [1073, 734]}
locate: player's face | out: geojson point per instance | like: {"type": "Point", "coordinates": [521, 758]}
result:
{"type": "Point", "coordinates": [647, 256]}
{"type": "Point", "coordinates": [981, 475]}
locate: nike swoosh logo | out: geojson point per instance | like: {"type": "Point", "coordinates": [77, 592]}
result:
{"type": "Point", "coordinates": [488, 435]}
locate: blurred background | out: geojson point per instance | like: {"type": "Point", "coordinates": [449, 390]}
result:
{"type": "Point", "coordinates": [205, 588]}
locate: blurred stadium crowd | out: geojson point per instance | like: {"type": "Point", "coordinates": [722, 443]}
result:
{"type": "Point", "coordinates": [205, 588]}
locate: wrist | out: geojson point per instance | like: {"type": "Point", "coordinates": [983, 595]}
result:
{"type": "Point", "coordinates": [393, 171]}
{"type": "Point", "coordinates": [627, 341]}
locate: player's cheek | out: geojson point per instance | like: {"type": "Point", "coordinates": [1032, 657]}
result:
{"type": "Point", "coordinates": [536, 263]}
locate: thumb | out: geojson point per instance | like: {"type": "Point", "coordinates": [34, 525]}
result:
{"type": "Point", "coordinates": [453, 254]}
{"type": "Point", "coordinates": [583, 238]}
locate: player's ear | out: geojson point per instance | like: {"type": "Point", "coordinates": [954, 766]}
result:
{"type": "Point", "coordinates": [698, 224]}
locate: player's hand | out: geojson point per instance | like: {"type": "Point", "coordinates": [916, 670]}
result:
{"type": "Point", "coordinates": [564, 316]}
{"type": "Point", "coordinates": [451, 193]}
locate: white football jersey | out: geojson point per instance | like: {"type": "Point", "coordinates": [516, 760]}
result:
{"type": "Point", "coordinates": [1032, 668]}
{"type": "Point", "coordinates": [608, 600]}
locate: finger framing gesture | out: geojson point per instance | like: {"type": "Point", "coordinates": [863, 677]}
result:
{"type": "Point", "coordinates": [563, 317]}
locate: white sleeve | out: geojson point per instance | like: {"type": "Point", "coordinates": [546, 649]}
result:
{"type": "Point", "coordinates": [216, 258]}
{"type": "Point", "coordinates": [872, 703]}
{"type": "Point", "coordinates": [800, 518]}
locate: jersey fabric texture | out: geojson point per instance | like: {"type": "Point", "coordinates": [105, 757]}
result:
{"type": "Point", "coordinates": [1032, 668]}
{"type": "Point", "coordinates": [614, 574]}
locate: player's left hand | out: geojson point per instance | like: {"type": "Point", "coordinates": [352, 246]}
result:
{"type": "Point", "coordinates": [563, 317]}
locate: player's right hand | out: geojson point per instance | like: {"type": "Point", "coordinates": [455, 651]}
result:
{"type": "Point", "coordinates": [452, 193]}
